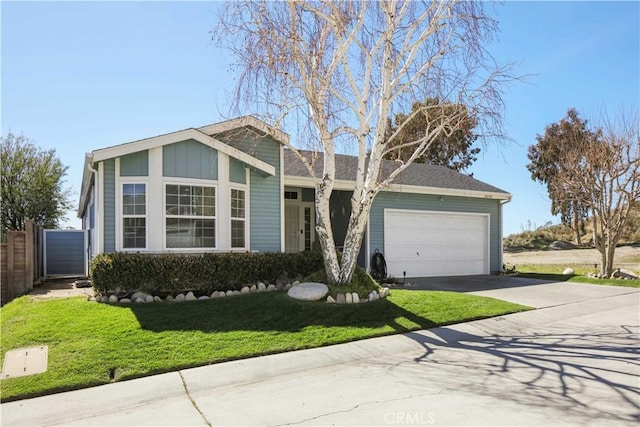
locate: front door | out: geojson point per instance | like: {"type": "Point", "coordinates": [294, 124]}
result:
{"type": "Point", "coordinates": [298, 226]}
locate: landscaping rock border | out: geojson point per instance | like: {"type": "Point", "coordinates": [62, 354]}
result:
{"type": "Point", "coordinates": [139, 297]}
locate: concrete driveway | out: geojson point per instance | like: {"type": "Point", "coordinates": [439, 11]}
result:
{"type": "Point", "coordinates": [574, 362]}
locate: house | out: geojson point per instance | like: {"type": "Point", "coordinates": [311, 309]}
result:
{"type": "Point", "coordinates": [233, 186]}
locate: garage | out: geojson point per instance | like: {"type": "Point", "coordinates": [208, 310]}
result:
{"type": "Point", "coordinates": [428, 244]}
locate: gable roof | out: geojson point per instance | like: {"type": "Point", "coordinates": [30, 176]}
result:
{"type": "Point", "coordinates": [416, 178]}
{"type": "Point", "coordinates": [182, 135]}
{"type": "Point", "coordinates": [202, 134]}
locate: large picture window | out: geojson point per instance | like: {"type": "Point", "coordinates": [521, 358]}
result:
{"type": "Point", "coordinates": [134, 216]}
{"type": "Point", "coordinates": [190, 216]}
{"type": "Point", "coordinates": [237, 218]}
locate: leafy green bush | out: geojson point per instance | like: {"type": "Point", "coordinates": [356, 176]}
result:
{"type": "Point", "coordinates": [206, 272]}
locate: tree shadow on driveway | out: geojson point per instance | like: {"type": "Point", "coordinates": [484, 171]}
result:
{"type": "Point", "coordinates": [592, 375]}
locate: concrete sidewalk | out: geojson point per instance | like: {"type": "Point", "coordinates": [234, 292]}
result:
{"type": "Point", "coordinates": [574, 362]}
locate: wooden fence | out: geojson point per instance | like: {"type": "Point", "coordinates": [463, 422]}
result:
{"type": "Point", "coordinates": [20, 262]}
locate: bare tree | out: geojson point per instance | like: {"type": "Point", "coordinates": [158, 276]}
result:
{"type": "Point", "coordinates": [607, 168]}
{"type": "Point", "coordinates": [341, 68]}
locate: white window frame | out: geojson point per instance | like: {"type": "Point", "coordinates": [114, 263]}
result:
{"type": "Point", "coordinates": [193, 183]}
{"type": "Point", "coordinates": [243, 188]}
{"type": "Point", "coordinates": [121, 215]}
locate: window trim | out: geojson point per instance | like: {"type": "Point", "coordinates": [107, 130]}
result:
{"type": "Point", "coordinates": [193, 182]}
{"type": "Point", "coordinates": [120, 215]}
{"type": "Point", "coordinates": [243, 188]}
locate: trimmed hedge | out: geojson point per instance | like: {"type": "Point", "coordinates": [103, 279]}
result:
{"type": "Point", "coordinates": [206, 272]}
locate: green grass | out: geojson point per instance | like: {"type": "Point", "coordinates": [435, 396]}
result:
{"type": "Point", "coordinates": [86, 340]}
{"type": "Point", "coordinates": [554, 272]}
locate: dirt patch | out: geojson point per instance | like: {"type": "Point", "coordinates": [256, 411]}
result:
{"type": "Point", "coordinates": [60, 288]}
{"type": "Point", "coordinates": [627, 257]}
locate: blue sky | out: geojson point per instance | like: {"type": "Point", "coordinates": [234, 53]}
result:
{"type": "Point", "coordinates": [82, 76]}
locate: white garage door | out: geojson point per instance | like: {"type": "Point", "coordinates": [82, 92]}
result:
{"type": "Point", "coordinates": [425, 244]}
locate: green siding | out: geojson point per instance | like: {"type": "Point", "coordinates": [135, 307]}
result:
{"type": "Point", "coordinates": [109, 213]}
{"type": "Point", "coordinates": [135, 164]}
{"type": "Point", "coordinates": [264, 192]}
{"type": "Point", "coordinates": [190, 159]}
{"type": "Point", "coordinates": [236, 171]}
{"type": "Point", "coordinates": [388, 200]}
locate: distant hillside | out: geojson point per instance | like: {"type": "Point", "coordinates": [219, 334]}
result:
{"type": "Point", "coordinates": [544, 237]}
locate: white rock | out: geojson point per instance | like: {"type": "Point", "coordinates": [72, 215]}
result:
{"type": "Point", "coordinates": [310, 291]}
{"type": "Point", "coordinates": [253, 289]}
{"type": "Point", "coordinates": [348, 297]}
{"type": "Point", "coordinates": [236, 293]}
{"type": "Point", "coordinates": [244, 290]}
{"type": "Point", "coordinates": [356, 298]}
{"type": "Point", "coordinates": [287, 286]}
{"type": "Point", "coordinates": [179, 298]}
{"type": "Point", "coordinates": [190, 296]}
{"type": "Point", "coordinates": [221, 294]}
{"type": "Point", "coordinates": [271, 288]}
{"type": "Point", "coordinates": [125, 300]}
{"type": "Point", "coordinates": [113, 299]}
{"type": "Point", "coordinates": [138, 294]}
{"type": "Point", "coordinates": [330, 300]}
{"type": "Point", "coordinates": [157, 299]}
{"type": "Point", "coordinates": [139, 300]}
{"type": "Point", "coordinates": [568, 271]}
{"type": "Point", "coordinates": [203, 297]}
{"type": "Point", "coordinates": [386, 292]}
{"type": "Point", "coordinates": [340, 299]}
{"type": "Point", "coordinates": [169, 298]}
{"type": "Point", "coordinates": [90, 298]}
{"type": "Point", "coordinates": [262, 287]}
{"type": "Point", "coordinates": [373, 296]}
{"type": "Point", "coordinates": [149, 298]}
{"type": "Point", "coordinates": [295, 283]}
{"type": "Point", "coordinates": [215, 294]}
{"type": "Point", "coordinates": [229, 293]}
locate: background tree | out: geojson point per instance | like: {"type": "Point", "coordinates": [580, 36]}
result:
{"type": "Point", "coordinates": [31, 184]}
{"type": "Point", "coordinates": [339, 70]}
{"type": "Point", "coordinates": [607, 169]}
{"type": "Point", "coordinates": [550, 162]}
{"type": "Point", "coordinates": [455, 151]}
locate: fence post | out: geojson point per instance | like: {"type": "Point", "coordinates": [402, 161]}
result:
{"type": "Point", "coordinates": [10, 264]}
{"type": "Point", "coordinates": [28, 252]}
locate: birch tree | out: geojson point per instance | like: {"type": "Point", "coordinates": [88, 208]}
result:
{"type": "Point", "coordinates": [607, 168]}
{"type": "Point", "coordinates": [339, 69]}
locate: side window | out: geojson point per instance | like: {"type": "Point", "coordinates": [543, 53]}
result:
{"type": "Point", "coordinates": [134, 216]}
{"type": "Point", "coordinates": [237, 218]}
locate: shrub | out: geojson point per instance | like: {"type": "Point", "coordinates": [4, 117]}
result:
{"type": "Point", "coordinates": [205, 272]}
{"type": "Point", "coordinates": [361, 283]}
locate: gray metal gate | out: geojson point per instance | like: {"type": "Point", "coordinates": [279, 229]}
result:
{"type": "Point", "coordinates": [65, 253]}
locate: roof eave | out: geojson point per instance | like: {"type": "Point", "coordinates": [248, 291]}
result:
{"type": "Point", "coordinates": [302, 181]}
{"type": "Point", "coordinates": [183, 135]}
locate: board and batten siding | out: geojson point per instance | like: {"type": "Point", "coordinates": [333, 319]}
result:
{"type": "Point", "coordinates": [237, 171]}
{"type": "Point", "coordinates": [426, 202]}
{"type": "Point", "coordinates": [135, 164]}
{"type": "Point", "coordinates": [109, 194]}
{"type": "Point", "coordinates": [189, 159]}
{"type": "Point", "coordinates": [264, 192]}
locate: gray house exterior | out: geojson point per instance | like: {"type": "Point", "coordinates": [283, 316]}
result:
{"type": "Point", "coordinates": [233, 186]}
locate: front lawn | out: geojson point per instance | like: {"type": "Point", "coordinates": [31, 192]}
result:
{"type": "Point", "coordinates": [92, 343]}
{"type": "Point", "coordinates": [554, 272]}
